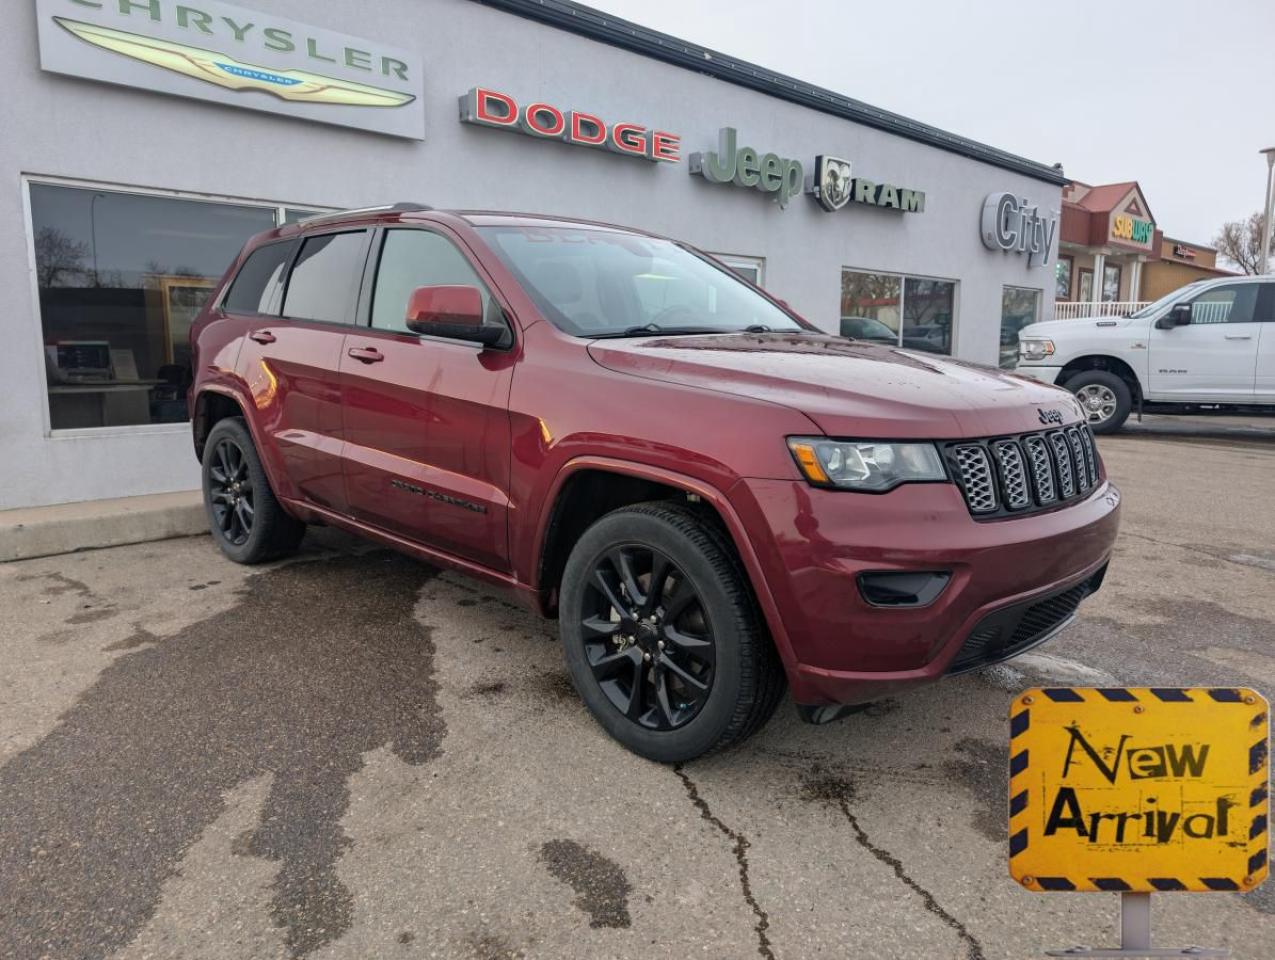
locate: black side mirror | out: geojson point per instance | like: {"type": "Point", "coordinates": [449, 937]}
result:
{"type": "Point", "coordinates": [1179, 316]}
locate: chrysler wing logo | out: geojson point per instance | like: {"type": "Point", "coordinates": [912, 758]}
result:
{"type": "Point", "coordinates": [299, 86]}
{"type": "Point", "coordinates": [832, 182]}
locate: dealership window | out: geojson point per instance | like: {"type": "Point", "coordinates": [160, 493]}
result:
{"type": "Point", "coordinates": [752, 269]}
{"type": "Point", "coordinates": [1062, 279]}
{"type": "Point", "coordinates": [918, 311]}
{"type": "Point", "coordinates": [1019, 307]}
{"type": "Point", "coordinates": [1111, 282]}
{"type": "Point", "coordinates": [121, 275]}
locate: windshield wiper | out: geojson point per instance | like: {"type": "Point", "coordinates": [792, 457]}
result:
{"type": "Point", "coordinates": [651, 329]}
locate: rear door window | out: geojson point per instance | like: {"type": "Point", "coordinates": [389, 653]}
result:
{"type": "Point", "coordinates": [257, 286]}
{"type": "Point", "coordinates": [324, 280]}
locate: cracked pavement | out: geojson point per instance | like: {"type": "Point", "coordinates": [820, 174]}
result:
{"type": "Point", "coordinates": [350, 755]}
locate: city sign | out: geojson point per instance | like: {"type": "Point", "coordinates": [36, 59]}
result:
{"type": "Point", "coordinates": [490, 108]}
{"type": "Point", "coordinates": [208, 50]}
{"type": "Point", "coordinates": [1014, 224]}
{"type": "Point", "coordinates": [833, 186]}
{"type": "Point", "coordinates": [1138, 790]}
{"type": "Point", "coordinates": [748, 167]}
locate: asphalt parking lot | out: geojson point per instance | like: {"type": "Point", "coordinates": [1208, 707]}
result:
{"type": "Point", "coordinates": [352, 755]}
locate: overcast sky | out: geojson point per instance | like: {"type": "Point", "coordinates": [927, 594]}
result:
{"type": "Point", "coordinates": [1177, 95]}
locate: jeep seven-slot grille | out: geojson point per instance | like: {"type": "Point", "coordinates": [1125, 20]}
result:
{"type": "Point", "coordinates": [1006, 476]}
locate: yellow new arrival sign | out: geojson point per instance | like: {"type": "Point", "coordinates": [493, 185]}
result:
{"type": "Point", "coordinates": [1138, 789]}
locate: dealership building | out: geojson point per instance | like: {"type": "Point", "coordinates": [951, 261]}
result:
{"type": "Point", "coordinates": [145, 140]}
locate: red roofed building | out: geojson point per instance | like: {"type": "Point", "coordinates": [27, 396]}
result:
{"type": "Point", "coordinates": [1111, 255]}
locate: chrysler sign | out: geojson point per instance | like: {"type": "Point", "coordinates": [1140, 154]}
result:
{"type": "Point", "coordinates": [208, 50]}
{"type": "Point", "coordinates": [1014, 224]}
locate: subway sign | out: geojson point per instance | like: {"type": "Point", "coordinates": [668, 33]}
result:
{"type": "Point", "coordinates": [485, 107]}
{"type": "Point", "coordinates": [1125, 227]}
{"type": "Point", "coordinates": [208, 50]}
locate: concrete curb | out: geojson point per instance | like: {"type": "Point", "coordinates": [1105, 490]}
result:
{"type": "Point", "coordinates": [68, 527]}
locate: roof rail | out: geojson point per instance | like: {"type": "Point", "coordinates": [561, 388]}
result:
{"type": "Point", "coordinates": [401, 207]}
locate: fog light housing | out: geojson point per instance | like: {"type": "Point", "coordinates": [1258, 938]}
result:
{"type": "Point", "coordinates": [903, 589]}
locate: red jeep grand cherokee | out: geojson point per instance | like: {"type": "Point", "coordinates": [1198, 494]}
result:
{"type": "Point", "coordinates": [712, 496]}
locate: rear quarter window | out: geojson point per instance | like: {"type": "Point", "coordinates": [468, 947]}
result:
{"type": "Point", "coordinates": [257, 286]}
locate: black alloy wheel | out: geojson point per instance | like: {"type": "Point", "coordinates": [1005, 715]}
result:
{"type": "Point", "coordinates": [248, 523]}
{"type": "Point", "coordinates": [230, 492]}
{"type": "Point", "coordinates": [647, 637]}
{"type": "Point", "coordinates": [662, 634]}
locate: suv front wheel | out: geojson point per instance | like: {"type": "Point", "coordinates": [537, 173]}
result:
{"type": "Point", "coordinates": [246, 520]}
{"type": "Point", "coordinates": [662, 635]}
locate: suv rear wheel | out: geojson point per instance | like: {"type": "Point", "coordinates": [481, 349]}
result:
{"type": "Point", "coordinates": [246, 520]}
{"type": "Point", "coordinates": [1105, 399]}
{"type": "Point", "coordinates": [662, 635]}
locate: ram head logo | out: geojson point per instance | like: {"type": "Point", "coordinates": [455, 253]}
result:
{"type": "Point", "coordinates": [832, 182]}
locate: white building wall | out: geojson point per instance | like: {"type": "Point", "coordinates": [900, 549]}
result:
{"type": "Point", "coordinates": [62, 127]}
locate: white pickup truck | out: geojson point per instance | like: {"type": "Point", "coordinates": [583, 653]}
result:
{"type": "Point", "coordinates": [1210, 344]}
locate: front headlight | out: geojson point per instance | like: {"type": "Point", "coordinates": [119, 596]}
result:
{"type": "Point", "coordinates": [1035, 349]}
{"type": "Point", "coordinates": [865, 464]}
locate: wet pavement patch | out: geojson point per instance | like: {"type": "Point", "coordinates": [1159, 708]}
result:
{"type": "Point", "coordinates": [601, 888]}
{"type": "Point", "coordinates": [983, 767]}
{"type": "Point", "coordinates": [319, 663]}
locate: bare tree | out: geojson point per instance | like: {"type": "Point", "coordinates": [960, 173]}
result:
{"type": "Point", "coordinates": [1240, 242]}
{"type": "Point", "coordinates": [59, 259]}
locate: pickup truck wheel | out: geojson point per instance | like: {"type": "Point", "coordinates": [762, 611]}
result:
{"type": "Point", "coordinates": [246, 520]}
{"type": "Point", "coordinates": [662, 635]}
{"type": "Point", "coordinates": [1104, 397]}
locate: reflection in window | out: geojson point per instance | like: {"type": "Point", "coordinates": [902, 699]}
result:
{"type": "Point", "coordinates": [417, 258]}
{"type": "Point", "coordinates": [121, 277]}
{"type": "Point", "coordinates": [917, 312]}
{"type": "Point", "coordinates": [1231, 304]}
{"type": "Point", "coordinates": [321, 285]}
{"type": "Point", "coordinates": [1110, 282]}
{"type": "Point", "coordinates": [1019, 307]}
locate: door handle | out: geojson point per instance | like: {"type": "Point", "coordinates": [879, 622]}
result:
{"type": "Point", "coordinates": [1239, 336]}
{"type": "Point", "coordinates": [262, 336]}
{"type": "Point", "coordinates": [366, 354]}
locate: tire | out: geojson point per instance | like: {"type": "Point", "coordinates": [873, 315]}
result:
{"type": "Point", "coordinates": [683, 700]}
{"type": "Point", "coordinates": [1104, 397]}
{"type": "Point", "coordinates": [246, 520]}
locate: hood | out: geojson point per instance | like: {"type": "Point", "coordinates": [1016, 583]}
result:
{"type": "Point", "coordinates": [847, 387]}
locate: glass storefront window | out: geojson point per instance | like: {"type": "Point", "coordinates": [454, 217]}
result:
{"type": "Point", "coordinates": [121, 276]}
{"type": "Point", "coordinates": [1019, 307]}
{"type": "Point", "coordinates": [1110, 282]}
{"type": "Point", "coordinates": [1062, 279]}
{"type": "Point", "coordinates": [914, 312]}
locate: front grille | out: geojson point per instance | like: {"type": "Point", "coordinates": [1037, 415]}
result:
{"type": "Point", "coordinates": [1013, 630]}
{"type": "Point", "coordinates": [1006, 476]}
{"type": "Point", "coordinates": [976, 478]}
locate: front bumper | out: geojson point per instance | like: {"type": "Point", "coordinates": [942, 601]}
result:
{"type": "Point", "coordinates": [1044, 374]}
{"type": "Point", "coordinates": [812, 545]}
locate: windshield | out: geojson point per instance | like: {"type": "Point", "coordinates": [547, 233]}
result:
{"type": "Point", "coordinates": [604, 283]}
{"type": "Point", "coordinates": [1164, 301]}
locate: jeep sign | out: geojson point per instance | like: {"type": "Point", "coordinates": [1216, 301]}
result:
{"type": "Point", "coordinates": [745, 167]}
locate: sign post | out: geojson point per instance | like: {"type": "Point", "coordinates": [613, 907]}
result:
{"type": "Point", "coordinates": [1139, 790]}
